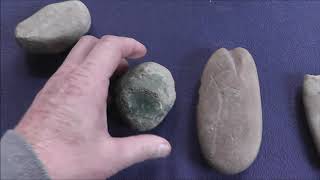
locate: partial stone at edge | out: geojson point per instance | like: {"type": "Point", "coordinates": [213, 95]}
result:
{"type": "Point", "coordinates": [54, 28]}
{"type": "Point", "coordinates": [311, 98]}
{"type": "Point", "coordinates": [229, 116]}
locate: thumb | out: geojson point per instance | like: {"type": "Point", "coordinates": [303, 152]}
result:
{"type": "Point", "coordinates": [139, 148]}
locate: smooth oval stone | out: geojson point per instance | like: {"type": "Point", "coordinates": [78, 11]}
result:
{"type": "Point", "coordinates": [145, 95]}
{"type": "Point", "coordinates": [311, 98]}
{"type": "Point", "coordinates": [229, 111]}
{"type": "Point", "coordinates": [54, 28]}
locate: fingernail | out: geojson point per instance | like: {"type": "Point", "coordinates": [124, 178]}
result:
{"type": "Point", "coordinates": [164, 150]}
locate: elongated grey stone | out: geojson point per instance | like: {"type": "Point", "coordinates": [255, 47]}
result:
{"type": "Point", "coordinates": [311, 98]}
{"type": "Point", "coordinates": [145, 95]}
{"type": "Point", "coordinates": [54, 28]}
{"type": "Point", "coordinates": [229, 111]}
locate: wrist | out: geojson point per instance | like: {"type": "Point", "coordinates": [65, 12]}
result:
{"type": "Point", "coordinates": [47, 152]}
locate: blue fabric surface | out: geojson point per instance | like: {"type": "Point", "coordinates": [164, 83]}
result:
{"type": "Point", "coordinates": [283, 37]}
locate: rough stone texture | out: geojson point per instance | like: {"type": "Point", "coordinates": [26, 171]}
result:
{"type": "Point", "coordinates": [145, 95]}
{"type": "Point", "coordinates": [54, 28]}
{"type": "Point", "coordinates": [311, 98]}
{"type": "Point", "coordinates": [229, 111]}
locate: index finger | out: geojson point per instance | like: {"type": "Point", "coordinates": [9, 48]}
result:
{"type": "Point", "coordinates": [105, 57]}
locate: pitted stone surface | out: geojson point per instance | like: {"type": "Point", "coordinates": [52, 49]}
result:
{"type": "Point", "coordinates": [145, 95]}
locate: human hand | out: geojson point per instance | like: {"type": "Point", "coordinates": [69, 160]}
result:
{"type": "Point", "coordinates": [67, 122]}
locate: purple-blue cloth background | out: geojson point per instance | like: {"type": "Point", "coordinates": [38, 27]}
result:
{"type": "Point", "coordinates": [283, 37]}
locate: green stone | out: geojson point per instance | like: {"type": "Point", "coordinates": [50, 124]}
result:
{"type": "Point", "coordinates": [145, 95]}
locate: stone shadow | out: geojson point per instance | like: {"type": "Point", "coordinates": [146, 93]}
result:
{"type": "Point", "coordinates": [310, 147]}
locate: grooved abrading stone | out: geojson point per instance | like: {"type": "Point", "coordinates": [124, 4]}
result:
{"type": "Point", "coordinates": [229, 111]}
{"type": "Point", "coordinates": [145, 95]}
{"type": "Point", "coordinates": [54, 28]}
{"type": "Point", "coordinates": [311, 98]}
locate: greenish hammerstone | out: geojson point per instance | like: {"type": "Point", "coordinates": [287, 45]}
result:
{"type": "Point", "coordinates": [229, 111]}
{"type": "Point", "coordinates": [145, 95]}
{"type": "Point", "coordinates": [54, 28]}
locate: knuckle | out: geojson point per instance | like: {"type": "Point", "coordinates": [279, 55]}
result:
{"type": "Point", "coordinates": [108, 38]}
{"type": "Point", "coordinates": [111, 45]}
{"type": "Point", "coordinates": [87, 38]}
{"type": "Point", "coordinates": [130, 39]}
{"type": "Point", "coordinates": [118, 44]}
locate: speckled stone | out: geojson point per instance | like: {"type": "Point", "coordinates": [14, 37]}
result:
{"type": "Point", "coordinates": [229, 111]}
{"type": "Point", "coordinates": [54, 28]}
{"type": "Point", "coordinates": [311, 98]}
{"type": "Point", "coordinates": [145, 95]}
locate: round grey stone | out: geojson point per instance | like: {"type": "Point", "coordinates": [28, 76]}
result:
{"type": "Point", "coordinates": [311, 98]}
{"type": "Point", "coordinates": [229, 111]}
{"type": "Point", "coordinates": [54, 28]}
{"type": "Point", "coordinates": [145, 95]}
